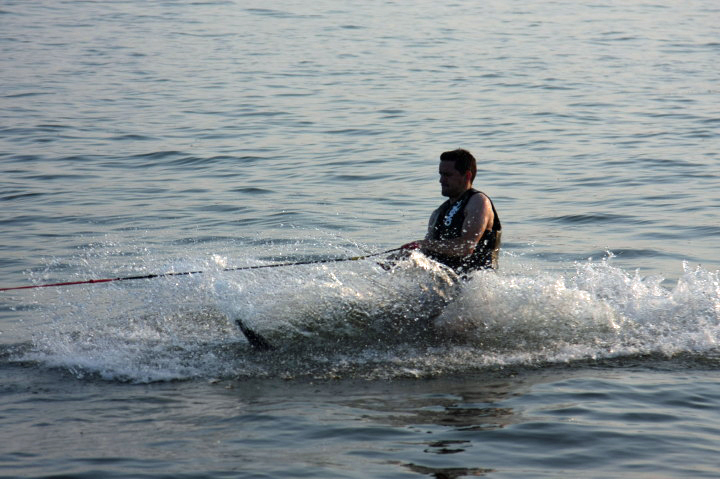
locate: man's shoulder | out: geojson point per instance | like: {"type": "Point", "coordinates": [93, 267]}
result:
{"type": "Point", "coordinates": [478, 204]}
{"type": "Point", "coordinates": [476, 192]}
{"type": "Point", "coordinates": [477, 197]}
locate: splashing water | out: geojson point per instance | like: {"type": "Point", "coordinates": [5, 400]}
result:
{"type": "Point", "coordinates": [356, 319]}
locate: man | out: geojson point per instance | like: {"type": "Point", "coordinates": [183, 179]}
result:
{"type": "Point", "coordinates": [464, 232]}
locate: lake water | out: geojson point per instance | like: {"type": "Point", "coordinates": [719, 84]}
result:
{"type": "Point", "coordinates": [142, 138]}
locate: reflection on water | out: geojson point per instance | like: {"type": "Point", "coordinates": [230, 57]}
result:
{"type": "Point", "coordinates": [448, 472]}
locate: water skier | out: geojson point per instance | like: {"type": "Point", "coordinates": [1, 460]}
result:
{"type": "Point", "coordinates": [464, 232]}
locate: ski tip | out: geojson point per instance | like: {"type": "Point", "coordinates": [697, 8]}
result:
{"type": "Point", "coordinates": [256, 340]}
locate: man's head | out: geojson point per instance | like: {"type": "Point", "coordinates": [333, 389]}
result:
{"type": "Point", "coordinates": [457, 172]}
{"type": "Point", "coordinates": [464, 161]}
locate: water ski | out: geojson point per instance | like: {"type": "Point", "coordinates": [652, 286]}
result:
{"type": "Point", "coordinates": [255, 339]}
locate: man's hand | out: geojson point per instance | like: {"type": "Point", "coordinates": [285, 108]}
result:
{"type": "Point", "coordinates": [404, 252]}
{"type": "Point", "coordinates": [411, 246]}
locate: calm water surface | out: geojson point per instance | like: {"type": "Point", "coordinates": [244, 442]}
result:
{"type": "Point", "coordinates": [149, 137]}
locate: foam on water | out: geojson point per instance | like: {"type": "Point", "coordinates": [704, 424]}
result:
{"type": "Point", "coordinates": [355, 319]}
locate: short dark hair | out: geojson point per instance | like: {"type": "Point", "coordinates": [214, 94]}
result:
{"type": "Point", "coordinates": [464, 161]}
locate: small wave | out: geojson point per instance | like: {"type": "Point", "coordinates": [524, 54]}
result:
{"type": "Point", "coordinates": [16, 195]}
{"type": "Point", "coordinates": [159, 155]}
{"type": "Point", "coordinates": [590, 218]}
{"type": "Point", "coordinates": [266, 12]}
{"type": "Point", "coordinates": [252, 190]}
{"type": "Point", "coordinates": [132, 137]}
{"type": "Point", "coordinates": [26, 94]}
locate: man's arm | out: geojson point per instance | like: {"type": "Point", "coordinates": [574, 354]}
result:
{"type": "Point", "coordinates": [478, 218]}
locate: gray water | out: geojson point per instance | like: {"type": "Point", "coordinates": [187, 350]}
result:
{"type": "Point", "coordinates": [142, 138]}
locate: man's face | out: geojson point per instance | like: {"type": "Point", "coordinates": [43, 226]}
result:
{"type": "Point", "coordinates": [452, 182]}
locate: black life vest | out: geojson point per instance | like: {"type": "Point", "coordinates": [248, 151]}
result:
{"type": "Point", "coordinates": [449, 224]}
